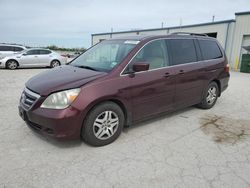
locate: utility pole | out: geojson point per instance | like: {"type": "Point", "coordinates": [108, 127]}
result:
{"type": "Point", "coordinates": [180, 23]}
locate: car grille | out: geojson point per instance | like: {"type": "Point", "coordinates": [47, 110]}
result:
{"type": "Point", "coordinates": [28, 98]}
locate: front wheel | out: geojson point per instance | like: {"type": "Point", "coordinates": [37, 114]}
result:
{"type": "Point", "coordinates": [103, 124]}
{"type": "Point", "coordinates": [210, 96]}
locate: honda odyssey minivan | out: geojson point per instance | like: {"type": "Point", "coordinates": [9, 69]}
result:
{"type": "Point", "coordinates": [122, 81]}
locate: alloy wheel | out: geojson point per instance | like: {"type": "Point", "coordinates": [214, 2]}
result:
{"type": "Point", "coordinates": [211, 95]}
{"type": "Point", "coordinates": [55, 64]}
{"type": "Point", "coordinates": [12, 65]}
{"type": "Point", "coordinates": [105, 125]}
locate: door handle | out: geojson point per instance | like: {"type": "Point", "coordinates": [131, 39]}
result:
{"type": "Point", "coordinates": [35, 56]}
{"type": "Point", "coordinates": [167, 74]}
{"type": "Point", "coordinates": [181, 72]}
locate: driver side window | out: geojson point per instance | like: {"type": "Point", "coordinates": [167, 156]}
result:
{"type": "Point", "coordinates": [153, 54]}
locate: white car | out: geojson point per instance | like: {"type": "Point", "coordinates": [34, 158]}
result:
{"type": "Point", "coordinates": [9, 49]}
{"type": "Point", "coordinates": [35, 57]}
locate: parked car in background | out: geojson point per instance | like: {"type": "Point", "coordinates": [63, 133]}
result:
{"type": "Point", "coordinates": [36, 57]}
{"type": "Point", "coordinates": [121, 81]}
{"type": "Point", "coordinates": [8, 49]}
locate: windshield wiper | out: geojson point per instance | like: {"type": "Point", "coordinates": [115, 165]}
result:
{"type": "Point", "coordinates": [87, 67]}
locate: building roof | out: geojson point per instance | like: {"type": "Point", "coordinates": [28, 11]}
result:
{"type": "Point", "coordinates": [242, 13]}
{"type": "Point", "coordinates": [175, 27]}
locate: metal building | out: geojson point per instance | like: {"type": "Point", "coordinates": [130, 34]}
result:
{"type": "Point", "coordinates": [233, 35]}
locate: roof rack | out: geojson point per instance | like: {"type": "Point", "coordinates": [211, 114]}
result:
{"type": "Point", "coordinates": [186, 33]}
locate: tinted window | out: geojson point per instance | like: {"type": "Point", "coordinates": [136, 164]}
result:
{"type": "Point", "coordinates": [182, 50]}
{"type": "Point", "coordinates": [6, 48]}
{"type": "Point", "coordinates": [18, 49]}
{"type": "Point", "coordinates": [32, 52]}
{"type": "Point", "coordinates": [153, 53]}
{"type": "Point", "coordinates": [209, 49]}
{"type": "Point", "coordinates": [45, 51]}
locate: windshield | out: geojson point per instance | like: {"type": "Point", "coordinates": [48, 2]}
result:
{"type": "Point", "coordinates": [105, 55]}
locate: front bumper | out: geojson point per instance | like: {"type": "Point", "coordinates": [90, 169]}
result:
{"type": "Point", "coordinates": [61, 124]}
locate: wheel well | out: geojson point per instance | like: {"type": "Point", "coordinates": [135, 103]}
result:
{"type": "Point", "coordinates": [120, 104]}
{"type": "Point", "coordinates": [55, 60]}
{"type": "Point", "coordinates": [219, 85]}
{"type": "Point", "coordinates": [11, 60]}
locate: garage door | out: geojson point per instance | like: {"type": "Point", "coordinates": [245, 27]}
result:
{"type": "Point", "coordinates": [245, 54]}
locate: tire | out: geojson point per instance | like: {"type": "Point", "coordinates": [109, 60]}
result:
{"type": "Point", "coordinates": [11, 64]}
{"type": "Point", "coordinates": [98, 129]}
{"type": "Point", "coordinates": [55, 63]}
{"type": "Point", "coordinates": [210, 97]}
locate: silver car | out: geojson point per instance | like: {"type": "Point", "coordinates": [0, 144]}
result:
{"type": "Point", "coordinates": [9, 49]}
{"type": "Point", "coordinates": [33, 58]}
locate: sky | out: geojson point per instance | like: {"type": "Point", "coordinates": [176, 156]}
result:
{"type": "Point", "coordinates": [70, 23]}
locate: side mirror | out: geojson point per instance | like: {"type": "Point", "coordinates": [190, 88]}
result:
{"type": "Point", "coordinates": [140, 66]}
{"type": "Point", "coordinates": [24, 54]}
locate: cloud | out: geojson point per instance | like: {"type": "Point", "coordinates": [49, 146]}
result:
{"type": "Point", "coordinates": [70, 23]}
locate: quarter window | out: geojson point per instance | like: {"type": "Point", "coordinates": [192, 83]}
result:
{"type": "Point", "coordinates": [182, 50]}
{"type": "Point", "coordinates": [210, 49]}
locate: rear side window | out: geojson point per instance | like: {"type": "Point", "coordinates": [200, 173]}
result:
{"type": "Point", "coordinates": [18, 49]}
{"type": "Point", "coordinates": [210, 49]}
{"type": "Point", "coordinates": [6, 48]}
{"type": "Point", "coordinates": [182, 51]}
{"type": "Point", "coordinates": [45, 52]}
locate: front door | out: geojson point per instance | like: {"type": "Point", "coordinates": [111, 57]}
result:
{"type": "Point", "coordinates": [152, 91]}
{"type": "Point", "coordinates": [30, 58]}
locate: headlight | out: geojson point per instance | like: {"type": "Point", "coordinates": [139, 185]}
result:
{"type": "Point", "coordinates": [2, 57]}
{"type": "Point", "coordinates": [61, 100]}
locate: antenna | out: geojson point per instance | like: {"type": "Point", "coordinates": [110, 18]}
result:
{"type": "Point", "coordinates": [180, 22]}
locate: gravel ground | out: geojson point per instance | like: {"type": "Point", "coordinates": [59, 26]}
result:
{"type": "Point", "coordinates": [188, 148]}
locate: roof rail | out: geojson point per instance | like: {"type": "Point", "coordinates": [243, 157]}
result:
{"type": "Point", "coordinates": [186, 33]}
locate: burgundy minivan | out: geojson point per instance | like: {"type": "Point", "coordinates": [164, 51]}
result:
{"type": "Point", "coordinates": [121, 81]}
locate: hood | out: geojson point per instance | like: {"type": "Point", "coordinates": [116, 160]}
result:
{"type": "Point", "coordinates": [61, 78]}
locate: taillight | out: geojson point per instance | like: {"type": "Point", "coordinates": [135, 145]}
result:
{"type": "Point", "coordinates": [227, 68]}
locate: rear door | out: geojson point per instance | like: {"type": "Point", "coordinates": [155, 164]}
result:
{"type": "Point", "coordinates": [6, 50]}
{"type": "Point", "coordinates": [152, 91]}
{"type": "Point", "coordinates": [189, 71]}
{"type": "Point", "coordinates": [44, 58]}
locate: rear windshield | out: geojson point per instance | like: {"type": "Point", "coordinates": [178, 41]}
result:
{"type": "Point", "coordinates": [106, 55]}
{"type": "Point", "coordinates": [210, 49]}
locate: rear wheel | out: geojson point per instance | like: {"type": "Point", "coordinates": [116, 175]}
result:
{"type": "Point", "coordinates": [12, 64]}
{"type": "Point", "coordinates": [210, 96]}
{"type": "Point", "coordinates": [103, 124]}
{"type": "Point", "coordinates": [54, 63]}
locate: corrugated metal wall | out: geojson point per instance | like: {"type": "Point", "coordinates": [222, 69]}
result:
{"type": "Point", "coordinates": [229, 34]}
{"type": "Point", "coordinates": [242, 27]}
